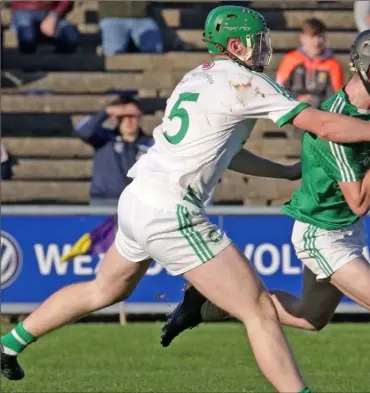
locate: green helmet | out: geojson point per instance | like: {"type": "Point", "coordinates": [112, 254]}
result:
{"type": "Point", "coordinates": [231, 21]}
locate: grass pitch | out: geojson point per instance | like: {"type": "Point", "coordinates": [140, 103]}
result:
{"type": "Point", "coordinates": [212, 358]}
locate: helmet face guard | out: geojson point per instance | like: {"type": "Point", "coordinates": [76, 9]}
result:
{"type": "Point", "coordinates": [261, 52]}
{"type": "Point", "coordinates": [360, 57]}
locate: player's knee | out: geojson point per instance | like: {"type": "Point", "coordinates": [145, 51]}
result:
{"type": "Point", "coordinates": [313, 322]}
{"type": "Point", "coordinates": [262, 309]}
{"type": "Point", "coordinates": [315, 325]}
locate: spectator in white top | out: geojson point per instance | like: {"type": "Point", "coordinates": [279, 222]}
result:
{"type": "Point", "coordinates": [362, 15]}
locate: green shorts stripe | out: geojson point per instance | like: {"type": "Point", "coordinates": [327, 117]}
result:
{"type": "Point", "coordinates": [196, 235]}
{"type": "Point", "coordinates": [325, 263]}
{"type": "Point", "coordinates": [190, 232]}
{"type": "Point", "coordinates": [192, 201]}
{"type": "Point", "coordinates": [308, 240]}
{"type": "Point", "coordinates": [187, 236]}
{"type": "Point", "coordinates": [314, 252]}
{"type": "Point", "coordinates": [314, 249]}
{"type": "Point", "coordinates": [205, 245]}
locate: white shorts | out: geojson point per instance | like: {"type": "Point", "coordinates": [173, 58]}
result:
{"type": "Point", "coordinates": [179, 236]}
{"type": "Point", "coordinates": [325, 251]}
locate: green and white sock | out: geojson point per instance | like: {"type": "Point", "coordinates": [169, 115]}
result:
{"type": "Point", "coordinates": [17, 340]}
{"type": "Point", "coordinates": [305, 390]}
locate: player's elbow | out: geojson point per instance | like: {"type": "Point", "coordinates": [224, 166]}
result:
{"type": "Point", "coordinates": [323, 128]}
{"type": "Point", "coordinates": [323, 131]}
{"type": "Point", "coordinates": [312, 120]}
{"type": "Point", "coordinates": [359, 208]}
{"type": "Point", "coordinates": [360, 211]}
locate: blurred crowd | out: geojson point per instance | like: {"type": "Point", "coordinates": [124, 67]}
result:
{"type": "Point", "coordinates": [38, 21]}
{"type": "Point", "coordinates": [311, 73]}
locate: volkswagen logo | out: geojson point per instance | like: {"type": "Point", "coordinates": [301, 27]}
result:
{"type": "Point", "coordinates": [11, 259]}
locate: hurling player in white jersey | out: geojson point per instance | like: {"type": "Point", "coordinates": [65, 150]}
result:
{"type": "Point", "coordinates": [208, 118]}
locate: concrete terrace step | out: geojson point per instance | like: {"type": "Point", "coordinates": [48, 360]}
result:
{"type": "Point", "coordinates": [73, 148]}
{"type": "Point", "coordinates": [194, 17]}
{"type": "Point", "coordinates": [173, 61]}
{"type": "Point", "coordinates": [301, 4]}
{"type": "Point", "coordinates": [281, 40]}
{"type": "Point", "coordinates": [73, 169]}
{"type": "Point", "coordinates": [52, 169]}
{"type": "Point", "coordinates": [145, 85]}
{"type": "Point", "coordinates": [276, 19]}
{"type": "Point", "coordinates": [82, 103]}
{"type": "Point", "coordinates": [59, 124]}
{"type": "Point", "coordinates": [91, 62]}
{"type": "Point", "coordinates": [95, 82]}
{"type": "Point", "coordinates": [56, 148]}
{"type": "Point", "coordinates": [235, 187]}
{"type": "Point", "coordinates": [14, 191]}
{"type": "Point", "coordinates": [52, 124]}
{"type": "Point", "coordinates": [231, 189]}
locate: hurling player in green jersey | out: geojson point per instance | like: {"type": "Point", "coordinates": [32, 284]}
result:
{"type": "Point", "coordinates": [329, 234]}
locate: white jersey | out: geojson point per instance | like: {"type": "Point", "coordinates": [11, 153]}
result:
{"type": "Point", "coordinates": [208, 119]}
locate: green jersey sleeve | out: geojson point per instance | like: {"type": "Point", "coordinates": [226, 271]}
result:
{"type": "Point", "coordinates": [342, 162]}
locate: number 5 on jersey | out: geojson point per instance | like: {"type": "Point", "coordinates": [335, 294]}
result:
{"type": "Point", "coordinates": [183, 115]}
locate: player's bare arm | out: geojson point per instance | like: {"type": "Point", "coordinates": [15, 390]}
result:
{"type": "Point", "coordinates": [333, 126]}
{"type": "Point", "coordinates": [247, 163]}
{"type": "Point", "coordinates": [357, 195]}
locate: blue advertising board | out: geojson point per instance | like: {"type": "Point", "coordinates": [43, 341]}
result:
{"type": "Point", "coordinates": [32, 246]}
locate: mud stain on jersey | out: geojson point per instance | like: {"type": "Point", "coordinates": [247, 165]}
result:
{"type": "Point", "coordinates": [258, 92]}
{"type": "Point", "coordinates": [241, 86]}
{"type": "Point", "coordinates": [242, 89]}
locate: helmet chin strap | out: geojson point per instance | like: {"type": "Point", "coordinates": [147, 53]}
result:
{"type": "Point", "coordinates": [365, 80]}
{"type": "Point", "coordinates": [361, 69]}
{"type": "Point", "coordinates": [239, 60]}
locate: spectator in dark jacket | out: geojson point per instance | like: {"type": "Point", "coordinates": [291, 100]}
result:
{"type": "Point", "coordinates": [122, 20]}
{"type": "Point", "coordinates": [37, 21]}
{"type": "Point", "coordinates": [116, 150]}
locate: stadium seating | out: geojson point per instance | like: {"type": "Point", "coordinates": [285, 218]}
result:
{"type": "Point", "coordinates": [55, 167]}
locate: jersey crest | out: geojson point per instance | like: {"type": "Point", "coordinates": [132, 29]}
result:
{"type": "Point", "coordinates": [208, 66]}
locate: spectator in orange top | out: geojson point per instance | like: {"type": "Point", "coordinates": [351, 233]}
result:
{"type": "Point", "coordinates": [311, 73]}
